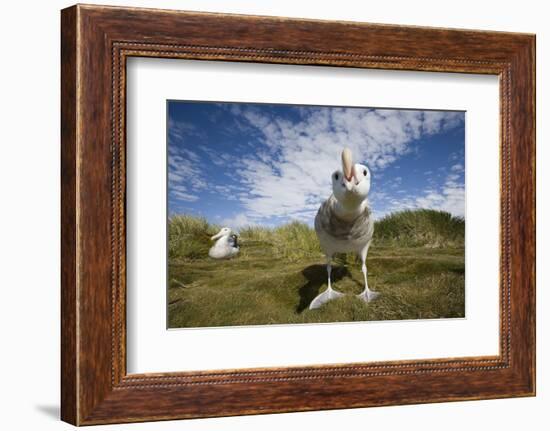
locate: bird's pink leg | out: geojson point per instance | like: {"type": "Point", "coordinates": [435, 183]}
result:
{"type": "Point", "coordinates": [329, 270]}
{"type": "Point", "coordinates": [367, 295]}
{"type": "Point", "coordinates": [329, 294]}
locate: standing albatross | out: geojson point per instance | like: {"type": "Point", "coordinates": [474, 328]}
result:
{"type": "Point", "coordinates": [344, 223]}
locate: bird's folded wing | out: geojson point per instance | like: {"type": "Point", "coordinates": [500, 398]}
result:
{"type": "Point", "coordinates": [329, 222]}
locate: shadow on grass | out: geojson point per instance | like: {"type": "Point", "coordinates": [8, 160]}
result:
{"type": "Point", "coordinates": [316, 276]}
{"type": "Point", "coordinates": [459, 271]}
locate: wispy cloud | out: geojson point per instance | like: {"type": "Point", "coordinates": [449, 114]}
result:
{"type": "Point", "coordinates": [449, 197]}
{"type": "Point", "coordinates": [278, 166]}
{"type": "Point", "coordinates": [238, 221]}
{"type": "Point", "coordinates": [291, 175]}
{"type": "Point", "coordinates": [184, 176]}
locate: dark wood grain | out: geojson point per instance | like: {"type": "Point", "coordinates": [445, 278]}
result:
{"type": "Point", "coordinates": [69, 398]}
{"type": "Point", "coordinates": [96, 41]}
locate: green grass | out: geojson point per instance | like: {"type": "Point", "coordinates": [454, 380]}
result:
{"type": "Point", "coordinates": [416, 262]}
{"type": "Point", "coordinates": [421, 228]}
{"type": "Point", "coordinates": [189, 237]}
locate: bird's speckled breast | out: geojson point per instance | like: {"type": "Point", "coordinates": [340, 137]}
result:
{"type": "Point", "coordinates": [361, 228]}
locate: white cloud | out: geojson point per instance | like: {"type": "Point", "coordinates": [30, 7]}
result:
{"type": "Point", "coordinates": [184, 176]}
{"type": "Point", "coordinates": [291, 176]}
{"type": "Point", "coordinates": [237, 222]}
{"type": "Point", "coordinates": [436, 121]}
{"type": "Point", "coordinates": [450, 198]}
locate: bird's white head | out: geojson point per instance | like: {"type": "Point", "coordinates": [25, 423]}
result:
{"type": "Point", "coordinates": [225, 231]}
{"type": "Point", "coordinates": [350, 185]}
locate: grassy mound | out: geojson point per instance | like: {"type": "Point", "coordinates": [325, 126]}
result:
{"type": "Point", "coordinates": [416, 262]}
{"type": "Point", "coordinates": [189, 237]}
{"type": "Point", "coordinates": [420, 228]}
{"type": "Point", "coordinates": [414, 283]}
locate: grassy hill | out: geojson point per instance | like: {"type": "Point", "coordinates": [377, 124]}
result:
{"type": "Point", "coordinates": [416, 261]}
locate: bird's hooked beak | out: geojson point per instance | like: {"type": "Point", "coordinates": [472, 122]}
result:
{"type": "Point", "coordinates": [347, 165]}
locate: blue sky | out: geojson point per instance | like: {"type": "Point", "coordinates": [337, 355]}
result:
{"type": "Point", "coordinates": [238, 164]}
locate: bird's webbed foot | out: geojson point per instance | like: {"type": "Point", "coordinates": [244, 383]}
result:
{"type": "Point", "coordinates": [323, 298]}
{"type": "Point", "coordinates": [368, 295]}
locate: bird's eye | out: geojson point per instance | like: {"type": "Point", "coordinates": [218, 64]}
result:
{"type": "Point", "coordinates": [335, 176]}
{"type": "Point", "coordinates": [365, 172]}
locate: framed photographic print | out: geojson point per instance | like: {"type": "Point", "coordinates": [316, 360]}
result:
{"type": "Point", "coordinates": [264, 211]}
{"type": "Point", "coordinates": [265, 214]}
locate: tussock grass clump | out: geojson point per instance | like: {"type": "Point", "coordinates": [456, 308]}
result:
{"type": "Point", "coordinates": [255, 240]}
{"type": "Point", "coordinates": [256, 234]}
{"type": "Point", "coordinates": [292, 241]}
{"type": "Point", "coordinates": [295, 241]}
{"type": "Point", "coordinates": [189, 237]}
{"type": "Point", "coordinates": [420, 228]}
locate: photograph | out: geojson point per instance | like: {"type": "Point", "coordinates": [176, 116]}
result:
{"type": "Point", "coordinates": [294, 214]}
{"type": "Point", "coordinates": [275, 215]}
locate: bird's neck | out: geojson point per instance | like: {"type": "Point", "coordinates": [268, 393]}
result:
{"type": "Point", "coordinates": [222, 240]}
{"type": "Point", "coordinates": [350, 212]}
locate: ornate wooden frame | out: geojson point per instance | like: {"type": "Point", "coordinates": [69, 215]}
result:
{"type": "Point", "coordinates": [95, 43]}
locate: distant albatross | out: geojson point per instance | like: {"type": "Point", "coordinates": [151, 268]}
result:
{"type": "Point", "coordinates": [226, 245]}
{"type": "Point", "coordinates": [344, 223]}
